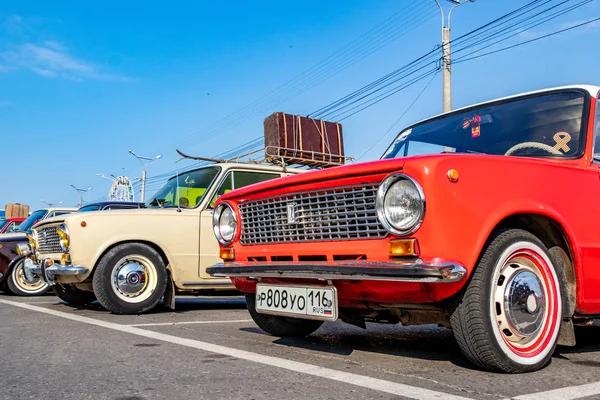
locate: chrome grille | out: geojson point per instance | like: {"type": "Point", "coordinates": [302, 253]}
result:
{"type": "Point", "coordinates": [342, 213]}
{"type": "Point", "coordinates": [48, 241]}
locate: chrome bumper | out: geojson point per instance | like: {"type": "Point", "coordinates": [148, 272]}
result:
{"type": "Point", "coordinates": [47, 270]}
{"type": "Point", "coordinates": [415, 271]}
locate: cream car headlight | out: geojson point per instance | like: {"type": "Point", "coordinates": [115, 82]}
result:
{"type": "Point", "coordinates": [224, 223]}
{"type": "Point", "coordinates": [400, 204]}
{"type": "Point", "coordinates": [63, 234]}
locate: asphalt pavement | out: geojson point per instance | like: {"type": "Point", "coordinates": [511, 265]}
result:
{"type": "Point", "coordinates": [209, 348]}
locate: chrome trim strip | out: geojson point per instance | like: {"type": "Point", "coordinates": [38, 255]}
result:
{"type": "Point", "coordinates": [416, 271]}
{"type": "Point", "coordinates": [228, 283]}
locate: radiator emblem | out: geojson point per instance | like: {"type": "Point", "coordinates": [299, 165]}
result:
{"type": "Point", "coordinates": [292, 210]}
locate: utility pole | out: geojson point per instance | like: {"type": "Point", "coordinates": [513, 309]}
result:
{"type": "Point", "coordinates": [81, 193]}
{"type": "Point", "coordinates": [447, 55]}
{"type": "Point", "coordinates": [144, 161]}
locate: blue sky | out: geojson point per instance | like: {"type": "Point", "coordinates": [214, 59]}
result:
{"type": "Point", "coordinates": [81, 83]}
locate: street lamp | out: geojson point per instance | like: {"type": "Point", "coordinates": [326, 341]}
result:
{"type": "Point", "coordinates": [446, 54]}
{"type": "Point", "coordinates": [51, 204]}
{"type": "Point", "coordinates": [81, 193]}
{"type": "Point", "coordinates": [144, 161]}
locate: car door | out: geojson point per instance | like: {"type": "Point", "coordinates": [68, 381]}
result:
{"type": "Point", "coordinates": [234, 179]}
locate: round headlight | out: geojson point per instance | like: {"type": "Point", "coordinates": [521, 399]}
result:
{"type": "Point", "coordinates": [63, 233]}
{"type": "Point", "coordinates": [224, 223]}
{"type": "Point", "coordinates": [400, 204]}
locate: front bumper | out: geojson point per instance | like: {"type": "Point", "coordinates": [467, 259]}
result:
{"type": "Point", "coordinates": [47, 270]}
{"type": "Point", "coordinates": [411, 271]}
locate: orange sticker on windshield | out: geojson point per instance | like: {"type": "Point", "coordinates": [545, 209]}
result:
{"type": "Point", "coordinates": [475, 126]}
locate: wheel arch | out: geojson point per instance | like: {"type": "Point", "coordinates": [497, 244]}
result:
{"type": "Point", "coordinates": [148, 243]}
{"type": "Point", "coordinates": [552, 233]}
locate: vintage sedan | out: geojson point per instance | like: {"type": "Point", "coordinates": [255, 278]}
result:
{"type": "Point", "coordinates": [12, 277]}
{"type": "Point", "coordinates": [129, 260]}
{"type": "Point", "coordinates": [482, 219]}
{"type": "Point", "coordinates": [8, 225]}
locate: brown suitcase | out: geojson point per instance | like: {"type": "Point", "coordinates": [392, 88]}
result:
{"type": "Point", "coordinates": [303, 139]}
{"type": "Point", "coordinates": [16, 210]}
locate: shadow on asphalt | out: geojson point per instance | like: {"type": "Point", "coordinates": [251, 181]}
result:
{"type": "Point", "coordinates": [588, 341]}
{"type": "Point", "coordinates": [182, 305]}
{"type": "Point", "coordinates": [425, 342]}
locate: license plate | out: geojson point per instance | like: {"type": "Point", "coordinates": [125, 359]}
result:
{"type": "Point", "coordinates": [309, 302]}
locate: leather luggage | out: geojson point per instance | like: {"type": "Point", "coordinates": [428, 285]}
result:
{"type": "Point", "coordinates": [303, 139]}
{"type": "Point", "coordinates": [16, 210]}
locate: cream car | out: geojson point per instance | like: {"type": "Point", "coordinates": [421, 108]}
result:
{"type": "Point", "coordinates": [130, 259]}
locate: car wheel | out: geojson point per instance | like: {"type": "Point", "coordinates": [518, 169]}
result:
{"type": "Point", "coordinates": [131, 278]}
{"type": "Point", "coordinates": [280, 326]}
{"type": "Point", "coordinates": [73, 295]}
{"type": "Point", "coordinates": [509, 316]}
{"type": "Point", "coordinates": [17, 283]}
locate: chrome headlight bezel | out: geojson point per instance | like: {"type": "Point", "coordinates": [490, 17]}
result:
{"type": "Point", "coordinates": [380, 205]}
{"type": "Point", "coordinates": [24, 249]}
{"type": "Point", "coordinates": [32, 239]}
{"type": "Point", "coordinates": [65, 239]}
{"type": "Point", "coordinates": [217, 214]}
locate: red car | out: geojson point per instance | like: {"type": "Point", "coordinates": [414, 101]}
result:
{"type": "Point", "coordinates": [10, 224]}
{"type": "Point", "coordinates": [482, 219]}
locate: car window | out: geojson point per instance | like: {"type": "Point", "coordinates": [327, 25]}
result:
{"type": "Point", "coordinates": [239, 179]}
{"type": "Point", "coordinates": [597, 131]}
{"type": "Point", "coordinates": [119, 207]}
{"type": "Point", "coordinates": [13, 227]}
{"type": "Point", "coordinates": [93, 207]}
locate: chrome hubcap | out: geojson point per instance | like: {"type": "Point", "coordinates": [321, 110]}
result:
{"type": "Point", "coordinates": [520, 301]}
{"type": "Point", "coordinates": [131, 278]}
{"type": "Point", "coordinates": [524, 303]}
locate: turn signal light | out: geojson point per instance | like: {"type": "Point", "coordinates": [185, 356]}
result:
{"type": "Point", "coordinates": [227, 253]}
{"type": "Point", "coordinates": [453, 175]}
{"type": "Point", "coordinates": [402, 247]}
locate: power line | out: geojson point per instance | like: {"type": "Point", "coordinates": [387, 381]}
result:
{"type": "Point", "coordinates": [400, 118]}
{"type": "Point", "coordinates": [528, 41]}
{"type": "Point", "coordinates": [355, 51]}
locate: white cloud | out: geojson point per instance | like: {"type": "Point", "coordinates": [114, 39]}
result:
{"type": "Point", "coordinates": [47, 58]}
{"type": "Point", "coordinates": [53, 60]}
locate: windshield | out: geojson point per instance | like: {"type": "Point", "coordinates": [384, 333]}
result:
{"type": "Point", "coordinates": [31, 220]}
{"type": "Point", "coordinates": [3, 223]}
{"type": "Point", "coordinates": [187, 190]}
{"type": "Point", "coordinates": [549, 125]}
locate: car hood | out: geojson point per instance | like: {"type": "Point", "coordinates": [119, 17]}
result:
{"type": "Point", "coordinates": [345, 171]}
{"type": "Point", "coordinates": [13, 237]}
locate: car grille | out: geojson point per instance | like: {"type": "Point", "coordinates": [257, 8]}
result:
{"type": "Point", "coordinates": [342, 213]}
{"type": "Point", "coordinates": [48, 241]}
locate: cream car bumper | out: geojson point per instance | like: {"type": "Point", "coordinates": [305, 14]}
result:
{"type": "Point", "coordinates": [47, 270]}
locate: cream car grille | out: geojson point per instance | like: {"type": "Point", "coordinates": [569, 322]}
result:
{"type": "Point", "coordinates": [342, 213]}
{"type": "Point", "coordinates": [48, 241]}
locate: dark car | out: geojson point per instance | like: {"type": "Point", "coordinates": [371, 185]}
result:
{"type": "Point", "coordinates": [12, 278]}
{"type": "Point", "coordinates": [110, 205]}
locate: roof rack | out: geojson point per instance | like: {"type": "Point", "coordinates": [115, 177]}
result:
{"type": "Point", "coordinates": [282, 156]}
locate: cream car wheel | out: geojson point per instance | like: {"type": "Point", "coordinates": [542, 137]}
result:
{"type": "Point", "coordinates": [18, 284]}
{"type": "Point", "coordinates": [134, 278]}
{"type": "Point", "coordinates": [130, 278]}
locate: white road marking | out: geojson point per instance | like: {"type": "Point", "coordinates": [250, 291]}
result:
{"type": "Point", "coordinates": [566, 393]}
{"type": "Point", "coordinates": [230, 321]}
{"type": "Point", "coordinates": [381, 385]}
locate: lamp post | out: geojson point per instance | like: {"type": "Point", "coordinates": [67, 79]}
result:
{"type": "Point", "coordinates": [51, 204]}
{"type": "Point", "coordinates": [446, 54]}
{"type": "Point", "coordinates": [81, 193]}
{"type": "Point", "coordinates": [144, 161]}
